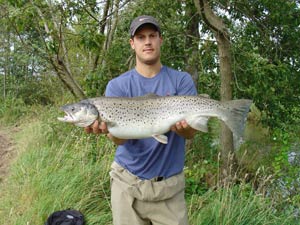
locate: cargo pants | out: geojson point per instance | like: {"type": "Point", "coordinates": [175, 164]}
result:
{"type": "Point", "coordinates": [147, 202]}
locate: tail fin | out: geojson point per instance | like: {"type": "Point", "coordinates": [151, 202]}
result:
{"type": "Point", "coordinates": [235, 116]}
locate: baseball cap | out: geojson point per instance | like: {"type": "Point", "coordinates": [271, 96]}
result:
{"type": "Point", "coordinates": [141, 20]}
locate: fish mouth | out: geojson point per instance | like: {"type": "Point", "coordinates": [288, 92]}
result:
{"type": "Point", "coordinates": [67, 118]}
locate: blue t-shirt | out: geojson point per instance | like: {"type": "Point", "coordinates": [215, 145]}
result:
{"type": "Point", "coordinates": [147, 158]}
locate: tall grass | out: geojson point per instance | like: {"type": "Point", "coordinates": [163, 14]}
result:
{"type": "Point", "coordinates": [59, 166]}
{"type": "Point", "coordinates": [237, 205]}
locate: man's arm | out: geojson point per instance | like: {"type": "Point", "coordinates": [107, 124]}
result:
{"type": "Point", "coordinates": [184, 130]}
{"type": "Point", "coordinates": [101, 128]}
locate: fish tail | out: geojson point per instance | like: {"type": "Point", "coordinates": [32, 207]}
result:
{"type": "Point", "coordinates": [235, 115]}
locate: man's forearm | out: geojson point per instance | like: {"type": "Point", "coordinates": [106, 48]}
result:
{"type": "Point", "coordinates": [116, 140]}
{"type": "Point", "coordinates": [188, 134]}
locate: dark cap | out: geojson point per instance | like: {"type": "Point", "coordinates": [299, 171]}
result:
{"type": "Point", "coordinates": [141, 20]}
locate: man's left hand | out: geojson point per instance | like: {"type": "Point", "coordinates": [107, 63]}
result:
{"type": "Point", "coordinates": [183, 129]}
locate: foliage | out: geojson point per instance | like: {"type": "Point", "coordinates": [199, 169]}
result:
{"type": "Point", "coordinates": [116, 62]}
{"type": "Point", "coordinates": [280, 107]}
{"type": "Point", "coordinates": [265, 51]}
{"type": "Point", "coordinates": [12, 109]}
{"type": "Point", "coordinates": [33, 91]}
{"type": "Point", "coordinates": [286, 161]}
{"type": "Point", "coordinates": [202, 164]}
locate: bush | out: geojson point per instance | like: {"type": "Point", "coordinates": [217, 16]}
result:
{"type": "Point", "coordinates": [11, 109]}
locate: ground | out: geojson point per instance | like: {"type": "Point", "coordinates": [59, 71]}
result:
{"type": "Point", "coordinates": [6, 152]}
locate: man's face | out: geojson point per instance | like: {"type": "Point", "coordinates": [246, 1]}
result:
{"type": "Point", "coordinates": [146, 44]}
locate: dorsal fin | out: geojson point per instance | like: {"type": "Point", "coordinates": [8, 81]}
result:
{"type": "Point", "coordinates": [147, 96]}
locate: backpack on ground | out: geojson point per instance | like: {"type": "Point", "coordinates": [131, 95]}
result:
{"type": "Point", "coordinates": [65, 217]}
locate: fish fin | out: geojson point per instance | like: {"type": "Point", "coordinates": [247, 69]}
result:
{"type": "Point", "coordinates": [161, 138]}
{"type": "Point", "coordinates": [198, 122]}
{"type": "Point", "coordinates": [150, 95]}
{"type": "Point", "coordinates": [110, 124]}
{"type": "Point", "coordinates": [147, 96]}
{"type": "Point", "coordinates": [235, 115]}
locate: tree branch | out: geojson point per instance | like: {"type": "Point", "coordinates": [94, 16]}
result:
{"type": "Point", "coordinates": [214, 22]}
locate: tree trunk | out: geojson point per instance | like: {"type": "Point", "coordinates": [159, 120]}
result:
{"type": "Point", "coordinates": [103, 24]}
{"type": "Point", "coordinates": [111, 28]}
{"type": "Point", "coordinates": [6, 62]}
{"type": "Point", "coordinates": [115, 20]}
{"type": "Point", "coordinates": [216, 25]}
{"type": "Point", "coordinates": [229, 162]}
{"type": "Point", "coordinates": [67, 79]}
{"type": "Point", "coordinates": [6, 42]}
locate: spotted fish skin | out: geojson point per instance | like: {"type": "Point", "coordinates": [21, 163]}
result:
{"type": "Point", "coordinates": [152, 116]}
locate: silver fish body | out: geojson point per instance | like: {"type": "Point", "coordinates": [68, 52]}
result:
{"type": "Point", "coordinates": [152, 116]}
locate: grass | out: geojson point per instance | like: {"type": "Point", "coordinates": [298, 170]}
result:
{"type": "Point", "coordinates": [59, 166]}
{"type": "Point", "coordinates": [57, 169]}
{"type": "Point", "coordinates": [237, 205]}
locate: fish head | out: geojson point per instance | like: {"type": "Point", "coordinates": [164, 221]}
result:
{"type": "Point", "coordinates": [81, 114]}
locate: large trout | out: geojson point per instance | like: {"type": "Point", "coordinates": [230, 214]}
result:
{"type": "Point", "coordinates": [152, 115]}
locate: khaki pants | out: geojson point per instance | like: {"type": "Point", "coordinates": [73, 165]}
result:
{"type": "Point", "coordinates": [147, 202]}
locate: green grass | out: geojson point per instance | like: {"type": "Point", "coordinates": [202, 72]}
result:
{"type": "Point", "coordinates": [58, 166]}
{"type": "Point", "coordinates": [236, 205]}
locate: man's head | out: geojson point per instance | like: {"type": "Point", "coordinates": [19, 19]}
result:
{"type": "Point", "coordinates": [146, 40]}
{"type": "Point", "coordinates": [141, 21]}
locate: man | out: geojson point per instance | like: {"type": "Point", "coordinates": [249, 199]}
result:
{"type": "Point", "coordinates": [147, 180]}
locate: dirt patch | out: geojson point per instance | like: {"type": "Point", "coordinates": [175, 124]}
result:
{"type": "Point", "coordinates": [6, 153]}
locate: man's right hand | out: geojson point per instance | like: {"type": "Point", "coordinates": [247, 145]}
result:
{"type": "Point", "coordinates": [97, 128]}
{"type": "Point", "coordinates": [101, 128]}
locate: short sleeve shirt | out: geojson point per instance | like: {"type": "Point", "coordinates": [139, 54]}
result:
{"type": "Point", "coordinates": [147, 158]}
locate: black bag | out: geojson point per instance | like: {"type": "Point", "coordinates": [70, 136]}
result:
{"type": "Point", "coordinates": [65, 217]}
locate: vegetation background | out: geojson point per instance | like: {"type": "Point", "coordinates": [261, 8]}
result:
{"type": "Point", "coordinates": [55, 52]}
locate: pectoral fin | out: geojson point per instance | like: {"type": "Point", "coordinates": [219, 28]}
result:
{"type": "Point", "coordinates": [161, 138]}
{"type": "Point", "coordinates": [198, 122]}
{"type": "Point", "coordinates": [110, 124]}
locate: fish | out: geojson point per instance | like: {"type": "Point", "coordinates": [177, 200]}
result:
{"type": "Point", "coordinates": [152, 115]}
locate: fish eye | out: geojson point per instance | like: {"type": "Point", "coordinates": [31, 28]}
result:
{"type": "Point", "coordinates": [73, 109]}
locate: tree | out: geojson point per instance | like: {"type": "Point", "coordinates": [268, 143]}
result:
{"type": "Point", "coordinates": [67, 33]}
{"type": "Point", "coordinates": [5, 37]}
{"type": "Point", "coordinates": [266, 49]}
{"type": "Point", "coordinates": [58, 55]}
{"type": "Point", "coordinates": [217, 26]}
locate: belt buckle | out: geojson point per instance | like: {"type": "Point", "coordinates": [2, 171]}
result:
{"type": "Point", "coordinates": [157, 179]}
